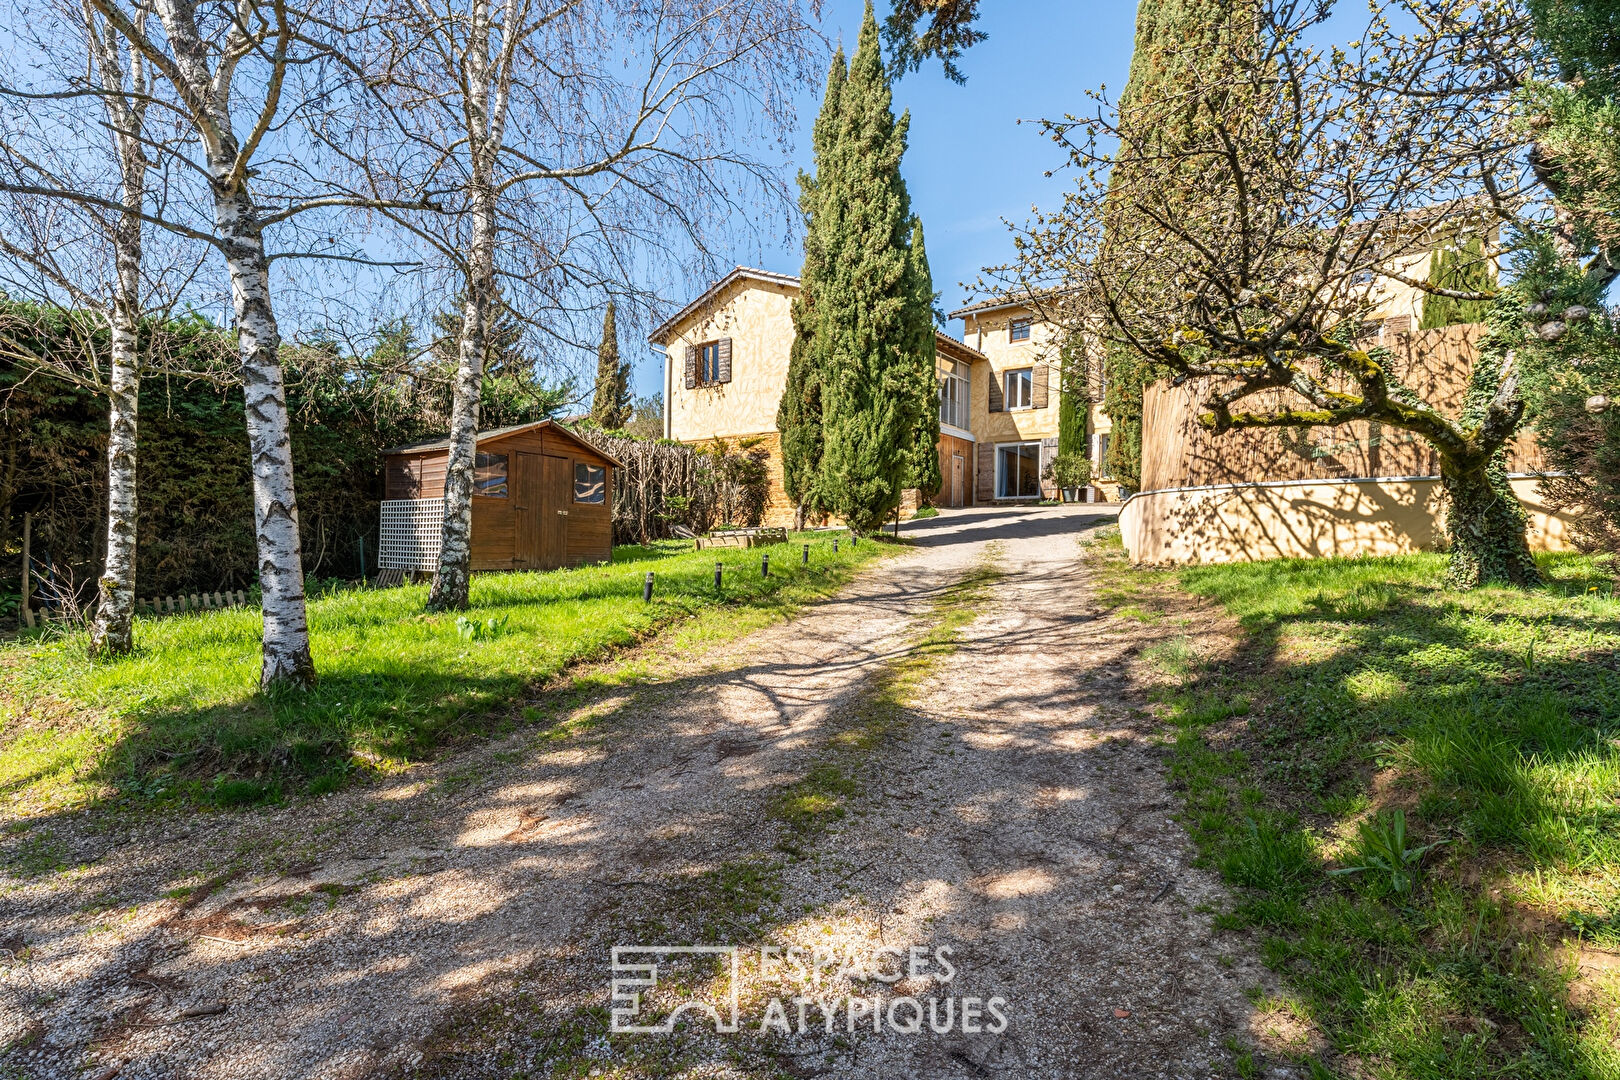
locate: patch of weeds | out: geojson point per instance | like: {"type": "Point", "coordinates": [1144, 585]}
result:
{"type": "Point", "coordinates": [1383, 855]}
{"type": "Point", "coordinates": [816, 799]}
{"type": "Point", "coordinates": [327, 783]}
{"type": "Point", "coordinates": [37, 856]}
{"type": "Point", "coordinates": [1176, 657]}
{"type": "Point", "coordinates": [235, 793]}
{"type": "Point", "coordinates": [481, 629]}
{"type": "Point", "coordinates": [1269, 853]}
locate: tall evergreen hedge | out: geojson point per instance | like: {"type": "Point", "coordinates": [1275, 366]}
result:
{"type": "Point", "coordinates": [1173, 38]}
{"type": "Point", "coordinates": [195, 524]}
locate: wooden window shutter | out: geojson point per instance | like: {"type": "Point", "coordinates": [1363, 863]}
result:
{"type": "Point", "coordinates": [1038, 393]}
{"type": "Point", "coordinates": [985, 480]}
{"type": "Point", "coordinates": [996, 402]}
{"type": "Point", "coordinates": [723, 374]}
{"type": "Point", "coordinates": [691, 366]}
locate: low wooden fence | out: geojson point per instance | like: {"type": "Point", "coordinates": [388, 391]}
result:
{"type": "Point", "coordinates": [156, 605]}
{"type": "Point", "coordinates": [173, 605]}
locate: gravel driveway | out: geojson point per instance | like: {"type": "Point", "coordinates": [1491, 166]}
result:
{"type": "Point", "coordinates": [459, 920]}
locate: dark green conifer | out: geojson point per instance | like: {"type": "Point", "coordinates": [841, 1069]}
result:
{"type": "Point", "coordinates": [1173, 37]}
{"type": "Point", "coordinates": [865, 307]}
{"type": "Point", "coordinates": [798, 417]}
{"type": "Point", "coordinates": [610, 406]}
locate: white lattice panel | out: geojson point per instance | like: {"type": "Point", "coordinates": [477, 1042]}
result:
{"type": "Point", "coordinates": [410, 534]}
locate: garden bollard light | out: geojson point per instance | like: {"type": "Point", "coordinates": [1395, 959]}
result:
{"type": "Point", "coordinates": [646, 589]}
{"type": "Point", "coordinates": [717, 569]}
{"type": "Point", "coordinates": [764, 566]}
{"type": "Point", "coordinates": [835, 545]}
{"type": "Point", "coordinates": [807, 554]}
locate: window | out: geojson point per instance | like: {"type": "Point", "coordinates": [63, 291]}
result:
{"type": "Point", "coordinates": [1018, 329]}
{"type": "Point", "coordinates": [590, 483]}
{"type": "Point", "coordinates": [953, 395]}
{"type": "Point", "coordinates": [1018, 471]}
{"type": "Point", "coordinates": [1018, 388]}
{"type": "Point", "coordinates": [1101, 468]}
{"type": "Point", "coordinates": [489, 476]}
{"type": "Point", "coordinates": [709, 363]}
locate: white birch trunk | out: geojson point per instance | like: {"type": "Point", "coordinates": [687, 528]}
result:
{"type": "Point", "coordinates": [275, 506]}
{"type": "Point", "coordinates": [208, 94]}
{"type": "Point", "coordinates": [451, 585]}
{"type": "Point", "coordinates": [112, 630]}
{"type": "Point", "coordinates": [485, 117]}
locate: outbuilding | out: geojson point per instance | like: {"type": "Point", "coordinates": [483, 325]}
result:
{"type": "Point", "coordinates": [542, 499]}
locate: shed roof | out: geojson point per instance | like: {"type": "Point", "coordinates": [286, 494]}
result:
{"type": "Point", "coordinates": [501, 433]}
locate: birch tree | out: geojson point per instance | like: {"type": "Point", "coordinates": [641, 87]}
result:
{"type": "Point", "coordinates": [85, 128]}
{"type": "Point", "coordinates": [557, 135]}
{"type": "Point", "coordinates": [246, 76]}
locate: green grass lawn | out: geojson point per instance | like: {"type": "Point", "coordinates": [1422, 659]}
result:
{"type": "Point", "coordinates": [182, 719]}
{"type": "Point", "coordinates": [1365, 696]}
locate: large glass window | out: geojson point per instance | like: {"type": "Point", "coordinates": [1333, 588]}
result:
{"type": "Point", "coordinates": [1101, 467]}
{"type": "Point", "coordinates": [590, 483]}
{"type": "Point", "coordinates": [953, 395]}
{"type": "Point", "coordinates": [1018, 471]}
{"type": "Point", "coordinates": [489, 476]}
{"type": "Point", "coordinates": [1018, 388]}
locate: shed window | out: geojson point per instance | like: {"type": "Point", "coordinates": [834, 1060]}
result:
{"type": "Point", "coordinates": [489, 476]}
{"type": "Point", "coordinates": [1018, 329]}
{"type": "Point", "coordinates": [590, 483]}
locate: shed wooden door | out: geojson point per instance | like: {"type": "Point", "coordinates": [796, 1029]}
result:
{"type": "Point", "coordinates": [529, 500]}
{"type": "Point", "coordinates": [555, 504]}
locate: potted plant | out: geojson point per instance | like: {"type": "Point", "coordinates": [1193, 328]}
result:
{"type": "Point", "coordinates": [1070, 472]}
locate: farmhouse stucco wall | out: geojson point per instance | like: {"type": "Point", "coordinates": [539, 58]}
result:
{"type": "Point", "coordinates": [1307, 519]}
{"type": "Point", "coordinates": [757, 317]}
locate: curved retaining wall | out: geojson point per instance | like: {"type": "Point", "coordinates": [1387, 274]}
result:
{"type": "Point", "coordinates": [1386, 515]}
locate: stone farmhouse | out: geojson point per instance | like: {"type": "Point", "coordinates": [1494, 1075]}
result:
{"type": "Point", "coordinates": [726, 363]}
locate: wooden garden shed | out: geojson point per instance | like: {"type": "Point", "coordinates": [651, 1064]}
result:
{"type": "Point", "coordinates": [542, 499]}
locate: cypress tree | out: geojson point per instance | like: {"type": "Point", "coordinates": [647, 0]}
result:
{"type": "Point", "coordinates": [798, 417]}
{"type": "Point", "coordinates": [865, 309]}
{"type": "Point", "coordinates": [923, 470]}
{"type": "Point", "coordinates": [1173, 38]}
{"type": "Point", "coordinates": [610, 407]}
{"type": "Point", "coordinates": [1465, 270]}
{"type": "Point", "coordinates": [1074, 397]}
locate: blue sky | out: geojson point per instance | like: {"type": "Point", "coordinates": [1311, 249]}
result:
{"type": "Point", "coordinates": [970, 164]}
